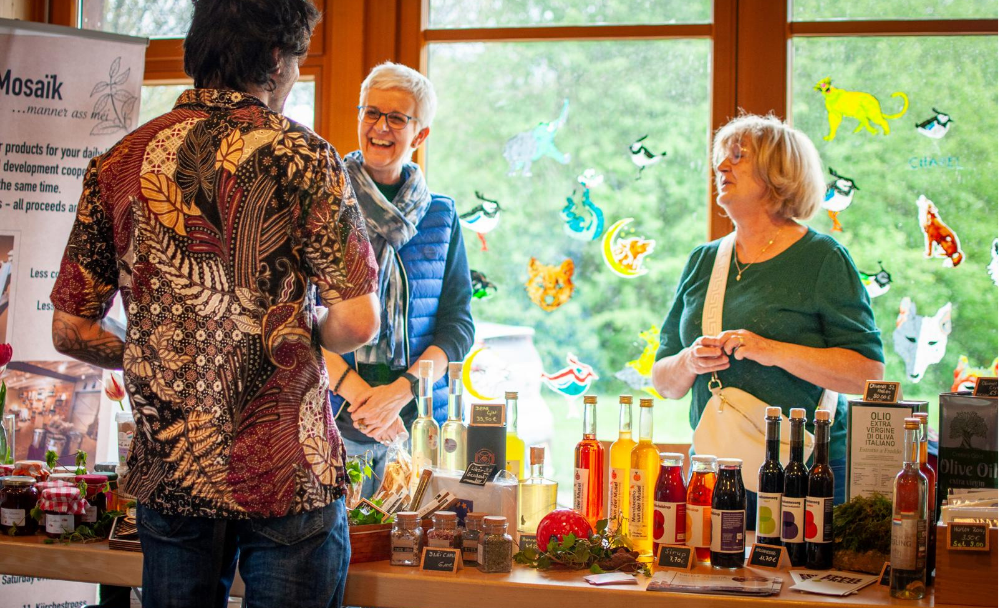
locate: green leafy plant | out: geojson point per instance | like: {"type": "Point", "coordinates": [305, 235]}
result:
{"type": "Point", "coordinates": [99, 530]}
{"type": "Point", "coordinates": [81, 464]}
{"type": "Point", "coordinates": [364, 515]}
{"type": "Point", "coordinates": [358, 469]}
{"type": "Point", "coordinates": [863, 524]}
{"type": "Point", "coordinates": [604, 551]}
{"type": "Point", "coordinates": [51, 459]}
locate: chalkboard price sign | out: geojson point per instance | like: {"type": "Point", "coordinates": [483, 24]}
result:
{"type": "Point", "coordinates": [676, 556]}
{"type": "Point", "coordinates": [441, 560]}
{"type": "Point", "coordinates": [968, 537]}
{"type": "Point", "coordinates": [488, 414]}
{"type": "Point", "coordinates": [478, 474]}
{"type": "Point", "coordinates": [881, 392]}
{"type": "Point", "coordinates": [985, 387]}
{"type": "Point", "coordinates": [768, 556]}
{"type": "Point", "coordinates": [527, 541]}
{"type": "Point", "coordinates": [883, 578]}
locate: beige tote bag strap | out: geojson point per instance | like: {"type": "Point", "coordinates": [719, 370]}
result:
{"type": "Point", "coordinates": [711, 316]}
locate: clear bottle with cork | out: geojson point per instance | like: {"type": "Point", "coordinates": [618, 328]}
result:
{"type": "Point", "coordinates": [621, 462]}
{"type": "Point", "coordinates": [932, 503]}
{"type": "Point", "coordinates": [406, 539]}
{"type": "Point", "coordinates": [770, 482]}
{"type": "Point", "coordinates": [453, 431]}
{"type": "Point", "coordinates": [588, 478]}
{"type": "Point", "coordinates": [793, 500]}
{"type": "Point", "coordinates": [908, 556]}
{"type": "Point", "coordinates": [514, 444]}
{"type": "Point", "coordinates": [536, 496]}
{"type": "Point", "coordinates": [424, 432]}
{"type": "Point", "coordinates": [644, 469]}
{"type": "Point", "coordinates": [819, 499]}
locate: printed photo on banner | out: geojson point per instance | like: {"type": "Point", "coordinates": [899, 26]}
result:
{"type": "Point", "coordinates": [7, 258]}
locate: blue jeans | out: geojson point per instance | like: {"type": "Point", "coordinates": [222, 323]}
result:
{"type": "Point", "coordinates": [839, 466]}
{"type": "Point", "coordinates": [297, 560]}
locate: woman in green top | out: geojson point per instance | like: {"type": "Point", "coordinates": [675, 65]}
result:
{"type": "Point", "coordinates": [796, 318]}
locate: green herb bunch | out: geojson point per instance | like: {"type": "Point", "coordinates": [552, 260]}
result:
{"type": "Point", "coordinates": [604, 551]}
{"type": "Point", "coordinates": [863, 524]}
{"type": "Point", "coordinates": [363, 515]}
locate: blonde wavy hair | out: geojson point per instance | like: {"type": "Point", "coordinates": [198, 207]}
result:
{"type": "Point", "coordinates": [785, 161]}
{"type": "Point", "coordinates": [389, 76]}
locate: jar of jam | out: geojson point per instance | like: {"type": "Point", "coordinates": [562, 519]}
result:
{"type": "Point", "coordinates": [17, 498]}
{"type": "Point", "coordinates": [445, 533]}
{"type": "Point", "coordinates": [61, 506]}
{"type": "Point", "coordinates": [96, 497]}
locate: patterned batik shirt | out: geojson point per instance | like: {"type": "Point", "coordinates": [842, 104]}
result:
{"type": "Point", "coordinates": [217, 221]}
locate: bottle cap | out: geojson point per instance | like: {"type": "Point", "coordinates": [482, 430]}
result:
{"type": "Point", "coordinates": [625, 399]}
{"type": "Point", "coordinates": [730, 462]}
{"type": "Point", "coordinates": [798, 413]}
{"type": "Point", "coordinates": [588, 399]}
{"type": "Point", "coordinates": [426, 369]}
{"type": "Point", "coordinates": [455, 370]}
{"type": "Point", "coordinates": [923, 417]}
{"type": "Point", "coordinates": [645, 402]}
{"type": "Point", "coordinates": [19, 481]}
{"type": "Point", "coordinates": [709, 458]}
{"type": "Point", "coordinates": [537, 454]}
{"type": "Point", "coordinates": [671, 456]}
{"type": "Point", "coordinates": [773, 412]}
{"type": "Point", "coordinates": [911, 423]}
{"type": "Point", "coordinates": [510, 395]}
{"type": "Point", "coordinates": [822, 415]}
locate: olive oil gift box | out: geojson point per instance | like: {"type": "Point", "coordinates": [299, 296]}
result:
{"type": "Point", "coordinates": [967, 453]}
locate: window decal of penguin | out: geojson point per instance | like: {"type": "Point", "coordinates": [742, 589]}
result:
{"type": "Point", "coordinates": [936, 126]}
{"type": "Point", "coordinates": [642, 157]}
{"type": "Point", "coordinates": [876, 283]}
{"type": "Point", "coordinates": [482, 218]}
{"type": "Point", "coordinates": [839, 195]}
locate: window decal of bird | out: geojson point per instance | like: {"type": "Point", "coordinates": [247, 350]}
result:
{"type": "Point", "coordinates": [482, 288]}
{"type": "Point", "coordinates": [839, 195]}
{"type": "Point", "coordinates": [936, 126]}
{"type": "Point", "coordinates": [642, 156]}
{"type": "Point", "coordinates": [876, 283]}
{"type": "Point", "coordinates": [482, 218]}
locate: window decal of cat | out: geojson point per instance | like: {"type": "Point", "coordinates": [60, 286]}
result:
{"type": "Point", "coordinates": [573, 380]}
{"type": "Point", "coordinates": [920, 341]}
{"type": "Point", "coordinates": [588, 224]}
{"type": "Point", "coordinates": [642, 156]}
{"type": "Point", "coordinates": [936, 126]}
{"type": "Point", "coordinates": [550, 286]}
{"type": "Point", "coordinates": [861, 106]}
{"type": "Point", "coordinates": [637, 372]}
{"type": "Point", "coordinates": [965, 376]}
{"type": "Point", "coordinates": [940, 241]}
{"type": "Point", "coordinates": [625, 256]}
{"type": "Point", "coordinates": [876, 283]}
{"type": "Point", "coordinates": [839, 196]}
{"type": "Point", "coordinates": [482, 218]}
{"type": "Point", "coordinates": [528, 146]}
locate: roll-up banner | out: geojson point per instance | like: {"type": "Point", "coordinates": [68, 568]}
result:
{"type": "Point", "coordinates": [66, 96]}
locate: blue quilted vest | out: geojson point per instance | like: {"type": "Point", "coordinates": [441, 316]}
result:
{"type": "Point", "coordinates": [423, 260]}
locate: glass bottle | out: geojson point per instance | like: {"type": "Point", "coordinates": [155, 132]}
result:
{"type": "Point", "coordinates": [819, 499]}
{"type": "Point", "coordinates": [515, 446]}
{"type": "Point", "coordinates": [669, 502]}
{"type": "Point", "coordinates": [909, 521]}
{"type": "Point", "coordinates": [729, 515]}
{"type": "Point", "coordinates": [588, 479]}
{"type": "Point", "coordinates": [425, 430]}
{"type": "Point", "coordinates": [470, 537]}
{"type": "Point", "coordinates": [495, 545]}
{"type": "Point", "coordinates": [406, 539]}
{"type": "Point", "coordinates": [644, 469]}
{"type": "Point", "coordinates": [698, 512]}
{"type": "Point", "coordinates": [453, 431]}
{"type": "Point", "coordinates": [931, 476]}
{"type": "Point", "coordinates": [621, 462]}
{"type": "Point", "coordinates": [17, 498]}
{"type": "Point", "coordinates": [770, 482]}
{"type": "Point", "coordinates": [793, 501]}
{"type": "Point", "coordinates": [536, 496]}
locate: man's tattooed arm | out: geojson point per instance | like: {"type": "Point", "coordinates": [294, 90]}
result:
{"type": "Point", "coordinates": [98, 342]}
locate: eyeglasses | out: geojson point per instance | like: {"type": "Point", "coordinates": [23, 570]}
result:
{"type": "Point", "coordinates": [735, 153]}
{"type": "Point", "coordinates": [395, 120]}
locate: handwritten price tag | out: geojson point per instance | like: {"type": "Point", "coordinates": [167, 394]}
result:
{"type": "Point", "coordinates": [968, 537]}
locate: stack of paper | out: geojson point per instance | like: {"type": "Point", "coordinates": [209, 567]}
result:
{"type": "Point", "coordinates": [686, 582]}
{"type": "Point", "coordinates": [834, 582]}
{"type": "Point", "coordinates": [611, 578]}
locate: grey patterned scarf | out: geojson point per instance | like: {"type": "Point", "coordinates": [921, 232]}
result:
{"type": "Point", "coordinates": [390, 226]}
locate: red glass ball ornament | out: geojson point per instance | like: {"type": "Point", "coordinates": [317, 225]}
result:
{"type": "Point", "coordinates": [559, 523]}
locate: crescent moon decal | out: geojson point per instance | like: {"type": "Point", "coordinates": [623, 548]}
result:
{"type": "Point", "coordinates": [625, 257]}
{"type": "Point", "coordinates": [467, 376]}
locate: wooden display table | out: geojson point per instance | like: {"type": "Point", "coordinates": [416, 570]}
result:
{"type": "Point", "coordinates": [379, 584]}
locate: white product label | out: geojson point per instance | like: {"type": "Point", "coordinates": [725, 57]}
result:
{"type": "Point", "coordinates": [793, 515]}
{"type": "Point", "coordinates": [581, 480]}
{"type": "Point", "coordinates": [89, 515]}
{"type": "Point", "coordinates": [669, 525]}
{"type": "Point", "coordinates": [768, 515]}
{"type": "Point", "coordinates": [440, 543]}
{"type": "Point", "coordinates": [699, 526]}
{"type": "Point", "coordinates": [616, 494]}
{"type": "Point", "coordinates": [479, 553]}
{"type": "Point", "coordinates": [728, 530]}
{"type": "Point", "coordinates": [57, 523]}
{"type": "Point", "coordinates": [450, 445]}
{"type": "Point", "coordinates": [819, 520]}
{"type": "Point", "coordinates": [12, 517]}
{"type": "Point", "coordinates": [904, 544]}
{"type": "Point", "coordinates": [470, 548]}
{"type": "Point", "coordinates": [638, 525]}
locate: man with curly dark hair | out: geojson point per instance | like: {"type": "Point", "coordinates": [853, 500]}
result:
{"type": "Point", "coordinates": [239, 250]}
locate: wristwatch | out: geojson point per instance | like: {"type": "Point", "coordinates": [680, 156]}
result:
{"type": "Point", "coordinates": [414, 384]}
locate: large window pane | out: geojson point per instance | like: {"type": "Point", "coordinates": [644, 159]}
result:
{"type": "Point", "coordinates": [617, 93]}
{"type": "Point", "coordinates": [834, 10]}
{"type": "Point", "coordinates": [512, 13]}
{"type": "Point", "coordinates": [149, 18]}
{"type": "Point", "coordinates": [160, 99]}
{"type": "Point", "coordinates": [958, 172]}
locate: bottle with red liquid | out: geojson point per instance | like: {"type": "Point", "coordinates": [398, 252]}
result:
{"type": "Point", "coordinates": [670, 503]}
{"type": "Point", "coordinates": [588, 478]}
{"type": "Point", "coordinates": [698, 516]}
{"type": "Point", "coordinates": [931, 476]}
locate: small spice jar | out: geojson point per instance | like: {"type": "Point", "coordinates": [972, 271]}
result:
{"type": "Point", "coordinates": [61, 507]}
{"type": "Point", "coordinates": [406, 539]}
{"type": "Point", "coordinates": [445, 533]}
{"type": "Point", "coordinates": [470, 538]}
{"type": "Point", "coordinates": [96, 497]}
{"type": "Point", "coordinates": [17, 499]}
{"type": "Point", "coordinates": [495, 545]}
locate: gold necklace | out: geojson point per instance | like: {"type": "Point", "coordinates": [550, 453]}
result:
{"type": "Point", "coordinates": [740, 271]}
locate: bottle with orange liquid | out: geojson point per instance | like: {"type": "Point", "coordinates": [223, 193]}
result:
{"type": "Point", "coordinates": [588, 479]}
{"type": "Point", "coordinates": [931, 476]}
{"type": "Point", "coordinates": [699, 505]}
{"type": "Point", "coordinates": [644, 469]}
{"type": "Point", "coordinates": [621, 462]}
